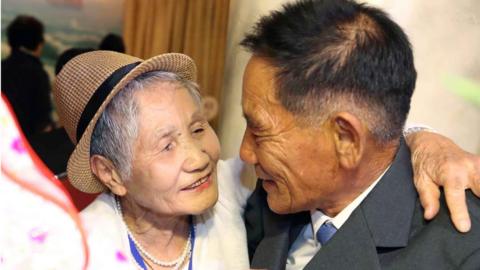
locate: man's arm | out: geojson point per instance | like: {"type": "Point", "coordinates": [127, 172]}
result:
{"type": "Point", "coordinates": [439, 162]}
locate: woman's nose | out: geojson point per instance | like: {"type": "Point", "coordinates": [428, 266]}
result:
{"type": "Point", "coordinates": [197, 159]}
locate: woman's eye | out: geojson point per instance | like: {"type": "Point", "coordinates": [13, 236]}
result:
{"type": "Point", "coordinates": [199, 130]}
{"type": "Point", "coordinates": [168, 147]}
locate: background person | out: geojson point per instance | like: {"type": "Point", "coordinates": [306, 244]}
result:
{"type": "Point", "coordinates": [24, 81]}
{"type": "Point", "coordinates": [112, 42]}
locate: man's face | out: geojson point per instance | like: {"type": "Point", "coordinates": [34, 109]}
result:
{"type": "Point", "coordinates": [175, 154]}
{"type": "Point", "coordinates": [297, 163]}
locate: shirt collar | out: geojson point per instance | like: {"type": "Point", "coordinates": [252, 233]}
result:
{"type": "Point", "coordinates": [318, 217]}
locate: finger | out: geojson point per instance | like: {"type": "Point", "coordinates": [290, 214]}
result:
{"type": "Point", "coordinates": [429, 194]}
{"type": "Point", "coordinates": [457, 205]}
{"type": "Point", "coordinates": [475, 186]}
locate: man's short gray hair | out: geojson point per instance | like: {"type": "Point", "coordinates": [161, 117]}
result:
{"type": "Point", "coordinates": [117, 127]}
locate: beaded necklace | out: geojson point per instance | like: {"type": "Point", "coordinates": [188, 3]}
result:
{"type": "Point", "coordinates": [136, 248]}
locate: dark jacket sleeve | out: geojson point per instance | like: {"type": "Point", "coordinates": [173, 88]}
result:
{"type": "Point", "coordinates": [254, 218]}
{"type": "Point", "coordinates": [473, 260]}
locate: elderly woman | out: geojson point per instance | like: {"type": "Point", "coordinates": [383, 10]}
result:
{"type": "Point", "coordinates": [142, 139]}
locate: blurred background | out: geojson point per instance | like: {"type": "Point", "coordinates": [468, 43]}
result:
{"type": "Point", "coordinates": [445, 36]}
{"type": "Point", "coordinates": [67, 24]}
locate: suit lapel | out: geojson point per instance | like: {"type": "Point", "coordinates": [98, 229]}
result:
{"type": "Point", "coordinates": [389, 208]}
{"type": "Point", "coordinates": [280, 232]}
{"type": "Point", "coordinates": [383, 220]}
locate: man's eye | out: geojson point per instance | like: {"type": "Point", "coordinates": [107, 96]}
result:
{"type": "Point", "coordinates": [251, 125]}
{"type": "Point", "coordinates": [254, 126]}
{"type": "Point", "coordinates": [257, 138]}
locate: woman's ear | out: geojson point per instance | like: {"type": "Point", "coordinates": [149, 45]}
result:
{"type": "Point", "coordinates": [350, 137]}
{"type": "Point", "coordinates": [105, 171]}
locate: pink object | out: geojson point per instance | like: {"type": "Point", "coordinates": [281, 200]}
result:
{"type": "Point", "coordinates": [38, 235]}
{"type": "Point", "coordinates": [120, 256]}
{"type": "Point", "coordinates": [18, 146]}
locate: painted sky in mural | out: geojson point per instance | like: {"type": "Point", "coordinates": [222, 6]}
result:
{"type": "Point", "coordinates": [68, 23]}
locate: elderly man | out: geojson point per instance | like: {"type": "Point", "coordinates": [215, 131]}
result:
{"type": "Point", "coordinates": [326, 95]}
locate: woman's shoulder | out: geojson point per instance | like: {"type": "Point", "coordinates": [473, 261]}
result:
{"type": "Point", "coordinates": [235, 172]}
{"type": "Point", "coordinates": [105, 235]}
{"type": "Point", "coordinates": [101, 218]}
{"type": "Point", "coordinates": [102, 207]}
{"type": "Point", "coordinates": [236, 181]}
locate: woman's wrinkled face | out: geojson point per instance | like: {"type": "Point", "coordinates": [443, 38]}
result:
{"type": "Point", "coordinates": [175, 154]}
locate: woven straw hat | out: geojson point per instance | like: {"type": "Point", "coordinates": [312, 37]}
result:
{"type": "Point", "coordinates": [84, 87]}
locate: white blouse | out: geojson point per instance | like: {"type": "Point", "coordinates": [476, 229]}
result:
{"type": "Point", "coordinates": [220, 236]}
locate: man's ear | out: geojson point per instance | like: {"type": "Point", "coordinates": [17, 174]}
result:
{"type": "Point", "coordinates": [105, 171]}
{"type": "Point", "coordinates": [350, 137]}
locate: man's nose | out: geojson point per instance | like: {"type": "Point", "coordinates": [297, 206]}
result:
{"type": "Point", "coordinates": [247, 149]}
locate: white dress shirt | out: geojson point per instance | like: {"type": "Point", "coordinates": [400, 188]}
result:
{"type": "Point", "coordinates": [306, 244]}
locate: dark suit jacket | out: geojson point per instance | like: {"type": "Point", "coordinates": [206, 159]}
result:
{"type": "Point", "coordinates": [387, 231]}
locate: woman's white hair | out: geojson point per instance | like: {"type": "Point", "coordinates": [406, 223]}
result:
{"type": "Point", "coordinates": [117, 127]}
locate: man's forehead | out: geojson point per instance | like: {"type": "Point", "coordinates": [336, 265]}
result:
{"type": "Point", "coordinates": [259, 82]}
{"type": "Point", "coordinates": [260, 66]}
{"type": "Point", "coordinates": [255, 100]}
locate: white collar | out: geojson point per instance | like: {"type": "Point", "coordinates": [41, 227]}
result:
{"type": "Point", "coordinates": [318, 217]}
